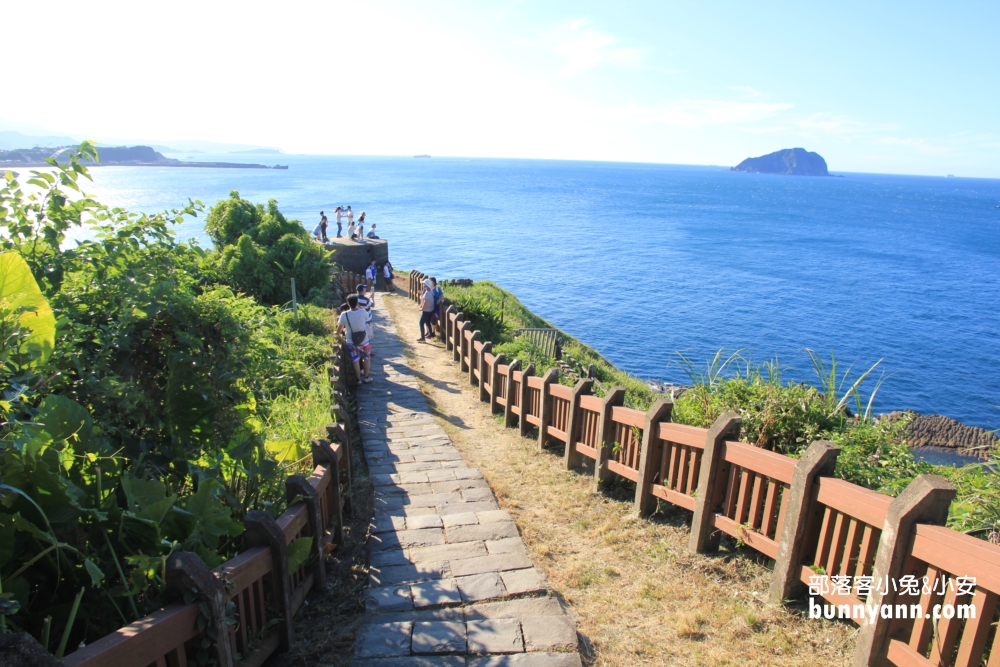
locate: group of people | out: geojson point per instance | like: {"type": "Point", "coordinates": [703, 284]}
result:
{"type": "Point", "coordinates": [355, 321]}
{"type": "Point", "coordinates": [430, 308]}
{"type": "Point", "coordinates": [355, 230]}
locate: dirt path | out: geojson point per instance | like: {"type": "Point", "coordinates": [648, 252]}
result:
{"type": "Point", "coordinates": [640, 598]}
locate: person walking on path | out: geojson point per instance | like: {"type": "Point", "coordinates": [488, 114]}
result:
{"type": "Point", "coordinates": [322, 227]}
{"type": "Point", "coordinates": [352, 324]}
{"type": "Point", "coordinates": [340, 218]}
{"type": "Point", "coordinates": [366, 301]}
{"type": "Point", "coordinates": [390, 287]}
{"type": "Point", "coordinates": [438, 298]}
{"type": "Point", "coordinates": [371, 275]}
{"type": "Point", "coordinates": [426, 311]}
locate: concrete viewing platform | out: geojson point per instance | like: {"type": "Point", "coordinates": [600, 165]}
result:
{"type": "Point", "coordinates": [450, 582]}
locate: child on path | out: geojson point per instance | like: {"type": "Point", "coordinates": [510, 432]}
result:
{"type": "Point", "coordinates": [352, 323]}
{"type": "Point", "coordinates": [426, 311]}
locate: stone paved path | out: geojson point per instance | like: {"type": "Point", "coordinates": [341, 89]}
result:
{"type": "Point", "coordinates": [450, 583]}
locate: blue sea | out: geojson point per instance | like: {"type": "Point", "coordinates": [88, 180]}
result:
{"type": "Point", "coordinates": [643, 260]}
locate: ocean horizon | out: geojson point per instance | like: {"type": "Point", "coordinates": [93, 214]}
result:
{"type": "Point", "coordinates": [642, 260]}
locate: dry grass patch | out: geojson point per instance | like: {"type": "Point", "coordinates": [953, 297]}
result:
{"type": "Point", "coordinates": [640, 597]}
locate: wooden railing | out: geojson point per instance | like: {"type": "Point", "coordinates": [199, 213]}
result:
{"type": "Point", "coordinates": [263, 593]}
{"type": "Point", "coordinates": [817, 528]}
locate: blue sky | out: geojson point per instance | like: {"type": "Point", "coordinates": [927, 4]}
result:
{"type": "Point", "coordinates": [898, 87]}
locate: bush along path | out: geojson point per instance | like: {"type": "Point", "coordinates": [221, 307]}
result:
{"type": "Point", "coordinates": [450, 581]}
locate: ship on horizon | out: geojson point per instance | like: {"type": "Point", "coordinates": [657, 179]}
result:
{"type": "Point", "coordinates": [424, 155]}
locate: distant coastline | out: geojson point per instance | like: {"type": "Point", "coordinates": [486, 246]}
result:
{"type": "Point", "coordinates": [118, 156]}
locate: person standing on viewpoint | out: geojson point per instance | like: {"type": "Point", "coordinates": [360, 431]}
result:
{"type": "Point", "coordinates": [352, 323]}
{"type": "Point", "coordinates": [371, 274]}
{"type": "Point", "coordinates": [426, 311]}
{"type": "Point", "coordinates": [361, 227]}
{"type": "Point", "coordinates": [322, 226]}
{"type": "Point", "coordinates": [340, 218]}
{"type": "Point", "coordinates": [366, 301]}
{"type": "Point", "coordinates": [350, 216]}
{"type": "Point", "coordinates": [390, 287]}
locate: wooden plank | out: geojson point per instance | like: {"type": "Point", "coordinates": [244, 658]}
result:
{"type": "Point", "coordinates": [671, 496]}
{"type": "Point", "coordinates": [586, 450]}
{"type": "Point", "coordinates": [770, 502]}
{"type": "Point", "coordinates": [923, 628]}
{"type": "Point", "coordinates": [623, 470]}
{"type": "Point", "coordinates": [477, 346]}
{"type": "Point", "coordinates": [901, 655]}
{"type": "Point", "coordinates": [995, 652]}
{"type": "Point", "coordinates": [853, 500]}
{"type": "Point", "coordinates": [832, 597]}
{"type": "Point", "coordinates": [751, 538]}
{"type": "Point", "coordinates": [561, 391]}
{"type": "Point", "coordinates": [263, 652]}
{"type": "Point", "coordinates": [849, 561]}
{"type": "Point", "coordinates": [823, 545]}
{"type": "Point", "coordinates": [730, 498]}
{"type": "Point", "coordinates": [743, 497]}
{"type": "Point", "coordinates": [534, 381]}
{"type": "Point", "coordinates": [556, 433]}
{"type": "Point", "coordinates": [760, 461]}
{"type": "Point", "coordinates": [943, 641]}
{"type": "Point", "coordinates": [836, 543]}
{"type": "Point", "coordinates": [693, 469]}
{"type": "Point", "coordinates": [503, 369]}
{"type": "Point", "coordinates": [142, 642]}
{"type": "Point", "coordinates": [299, 592]}
{"type": "Point", "coordinates": [943, 547]}
{"type": "Point", "coordinates": [628, 416]}
{"type": "Point", "coordinates": [516, 376]}
{"type": "Point", "coordinates": [692, 436]}
{"type": "Point", "coordinates": [977, 631]}
{"type": "Point", "coordinates": [248, 567]}
{"type": "Point", "coordinates": [680, 475]}
{"type": "Point", "coordinates": [532, 419]}
{"type": "Point", "coordinates": [292, 521]}
{"type": "Point", "coordinates": [756, 501]}
{"type": "Point", "coordinates": [590, 402]}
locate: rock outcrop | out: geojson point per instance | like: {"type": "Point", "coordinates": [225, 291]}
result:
{"type": "Point", "coordinates": [941, 431]}
{"type": "Point", "coordinates": [791, 162]}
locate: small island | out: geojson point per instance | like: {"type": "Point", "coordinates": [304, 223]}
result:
{"type": "Point", "coordinates": [789, 162]}
{"type": "Point", "coordinates": [132, 156]}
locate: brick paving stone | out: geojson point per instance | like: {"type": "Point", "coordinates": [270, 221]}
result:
{"type": "Point", "coordinates": [486, 531]}
{"type": "Point", "coordinates": [527, 660]}
{"type": "Point", "coordinates": [486, 586]}
{"type": "Point", "coordinates": [406, 538]}
{"type": "Point", "coordinates": [468, 473]}
{"type": "Point", "coordinates": [438, 637]}
{"type": "Point", "coordinates": [458, 485]}
{"type": "Point", "coordinates": [390, 557]}
{"type": "Point", "coordinates": [463, 507]}
{"type": "Point", "coordinates": [425, 521]}
{"type": "Point", "coordinates": [547, 606]}
{"type": "Point", "coordinates": [460, 568]}
{"type": "Point", "coordinates": [385, 523]}
{"type": "Point", "coordinates": [494, 516]}
{"type": "Point", "coordinates": [441, 475]}
{"type": "Point", "coordinates": [508, 545]}
{"type": "Point", "coordinates": [458, 551]}
{"type": "Point", "coordinates": [529, 580]}
{"type": "Point", "coordinates": [463, 519]}
{"type": "Point", "coordinates": [477, 495]}
{"type": "Point", "coordinates": [388, 598]}
{"type": "Point", "coordinates": [384, 639]}
{"type": "Point", "coordinates": [392, 575]}
{"type": "Point", "coordinates": [495, 636]}
{"type": "Point", "coordinates": [439, 593]}
{"type": "Point", "coordinates": [432, 500]}
{"type": "Point", "coordinates": [548, 633]}
{"type": "Point", "coordinates": [412, 661]}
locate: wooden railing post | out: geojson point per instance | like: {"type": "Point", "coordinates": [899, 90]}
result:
{"type": "Point", "coordinates": [186, 572]}
{"type": "Point", "coordinates": [508, 414]}
{"type": "Point", "coordinates": [485, 372]}
{"type": "Point", "coordinates": [473, 362]}
{"type": "Point", "coordinates": [523, 398]}
{"type": "Point", "coordinates": [925, 500]}
{"type": "Point", "coordinates": [710, 486]}
{"type": "Point", "coordinates": [645, 502]}
{"type": "Point", "coordinates": [324, 454]}
{"type": "Point", "coordinates": [615, 397]}
{"type": "Point", "coordinates": [495, 381]}
{"type": "Point", "coordinates": [817, 461]}
{"type": "Point", "coordinates": [261, 531]}
{"type": "Point", "coordinates": [571, 458]}
{"type": "Point", "coordinates": [458, 338]}
{"type": "Point", "coordinates": [299, 487]}
{"type": "Point", "coordinates": [545, 405]}
{"type": "Point", "coordinates": [443, 312]}
{"type": "Point", "coordinates": [449, 328]}
{"type": "Point", "coordinates": [337, 433]}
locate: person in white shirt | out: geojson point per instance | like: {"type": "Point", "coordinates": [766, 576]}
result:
{"type": "Point", "coordinates": [340, 217]}
{"type": "Point", "coordinates": [351, 231]}
{"type": "Point", "coordinates": [352, 324]}
{"type": "Point", "coordinates": [371, 274]}
{"type": "Point", "coordinates": [366, 302]}
{"type": "Point", "coordinates": [350, 216]}
{"type": "Point", "coordinates": [390, 287]}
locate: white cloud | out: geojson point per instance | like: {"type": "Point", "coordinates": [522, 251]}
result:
{"type": "Point", "coordinates": [699, 113]}
{"type": "Point", "coordinates": [584, 48]}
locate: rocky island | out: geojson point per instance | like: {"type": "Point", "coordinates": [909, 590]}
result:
{"type": "Point", "coordinates": [790, 161]}
{"type": "Point", "coordinates": [133, 156]}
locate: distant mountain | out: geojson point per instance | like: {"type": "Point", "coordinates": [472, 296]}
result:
{"type": "Point", "coordinates": [13, 140]}
{"type": "Point", "coordinates": [136, 156]}
{"type": "Point", "coordinates": [790, 161]}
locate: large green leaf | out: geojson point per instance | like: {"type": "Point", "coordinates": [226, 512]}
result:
{"type": "Point", "coordinates": [298, 553]}
{"type": "Point", "coordinates": [289, 450]}
{"type": "Point", "coordinates": [189, 405]}
{"type": "Point", "coordinates": [64, 418]}
{"type": "Point", "coordinates": [19, 293]}
{"type": "Point", "coordinates": [212, 517]}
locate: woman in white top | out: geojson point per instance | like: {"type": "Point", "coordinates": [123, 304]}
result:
{"type": "Point", "coordinates": [350, 230]}
{"type": "Point", "coordinates": [340, 217]}
{"type": "Point", "coordinates": [350, 216]}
